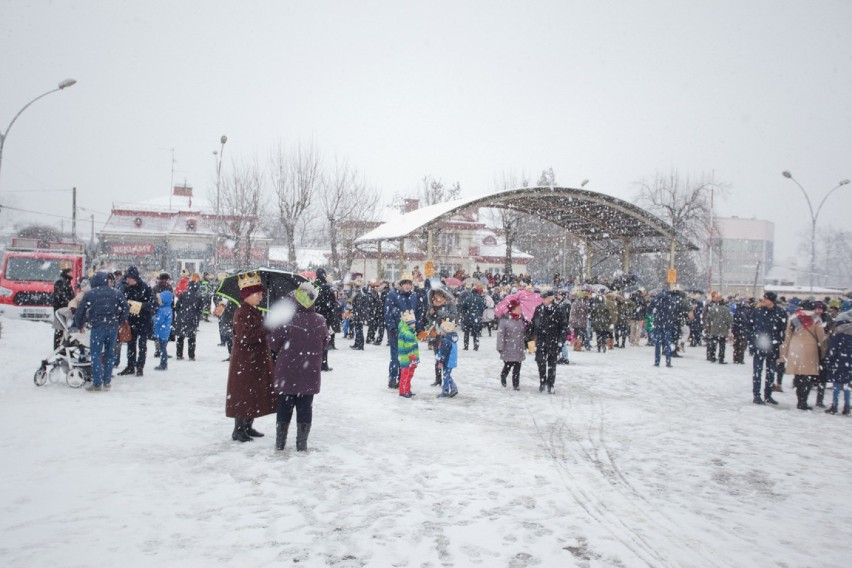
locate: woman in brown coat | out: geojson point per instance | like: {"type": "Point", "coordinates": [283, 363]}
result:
{"type": "Point", "coordinates": [804, 342]}
{"type": "Point", "coordinates": [250, 381]}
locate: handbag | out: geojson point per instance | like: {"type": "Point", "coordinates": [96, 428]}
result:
{"type": "Point", "coordinates": [124, 333]}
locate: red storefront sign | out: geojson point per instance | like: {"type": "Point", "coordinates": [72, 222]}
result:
{"type": "Point", "coordinates": [131, 249]}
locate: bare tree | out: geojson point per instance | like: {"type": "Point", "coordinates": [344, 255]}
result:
{"type": "Point", "coordinates": [432, 190]}
{"type": "Point", "coordinates": [346, 197]}
{"type": "Point", "coordinates": [685, 203]}
{"type": "Point", "coordinates": [242, 209]}
{"type": "Point", "coordinates": [510, 221]}
{"type": "Point", "coordinates": [296, 177]}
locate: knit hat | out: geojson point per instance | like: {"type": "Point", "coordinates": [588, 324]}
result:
{"type": "Point", "coordinates": [408, 316]}
{"type": "Point", "coordinates": [771, 296]}
{"type": "Point", "coordinates": [447, 326]}
{"type": "Point", "coordinates": [405, 278]}
{"type": "Point", "coordinates": [305, 294]}
{"type": "Point", "coordinates": [512, 304]}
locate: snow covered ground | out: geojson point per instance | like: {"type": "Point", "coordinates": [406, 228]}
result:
{"type": "Point", "coordinates": [626, 465]}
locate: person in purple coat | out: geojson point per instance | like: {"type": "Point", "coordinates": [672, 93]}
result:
{"type": "Point", "coordinates": [298, 348]}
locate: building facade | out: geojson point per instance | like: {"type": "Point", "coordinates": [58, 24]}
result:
{"type": "Point", "coordinates": [743, 254]}
{"type": "Point", "coordinates": [171, 234]}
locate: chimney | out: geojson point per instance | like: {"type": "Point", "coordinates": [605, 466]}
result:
{"type": "Point", "coordinates": [410, 205]}
{"type": "Point", "coordinates": [183, 190]}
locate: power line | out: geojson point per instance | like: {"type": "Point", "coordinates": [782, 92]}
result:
{"type": "Point", "coordinates": [36, 212]}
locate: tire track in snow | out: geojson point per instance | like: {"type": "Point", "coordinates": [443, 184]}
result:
{"type": "Point", "coordinates": [623, 533]}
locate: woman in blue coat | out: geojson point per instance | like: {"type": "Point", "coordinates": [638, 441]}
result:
{"type": "Point", "coordinates": [163, 327]}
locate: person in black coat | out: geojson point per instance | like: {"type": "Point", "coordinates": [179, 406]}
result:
{"type": "Point", "coordinates": [767, 327]}
{"type": "Point", "coordinates": [328, 307]}
{"type": "Point", "coordinates": [471, 306]}
{"type": "Point", "coordinates": [548, 330]}
{"type": "Point", "coordinates": [63, 292]}
{"type": "Point", "coordinates": [740, 329]}
{"type": "Point", "coordinates": [376, 321]}
{"type": "Point", "coordinates": [188, 310]}
{"type": "Point", "coordinates": [359, 314]}
{"type": "Point", "coordinates": [666, 310]}
{"type": "Point", "coordinates": [140, 297]}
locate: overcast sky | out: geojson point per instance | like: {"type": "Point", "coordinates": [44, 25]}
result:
{"type": "Point", "coordinates": [607, 91]}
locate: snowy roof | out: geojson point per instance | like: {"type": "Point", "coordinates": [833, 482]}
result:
{"type": "Point", "coordinates": [168, 203]}
{"type": "Point", "coordinates": [305, 257]}
{"type": "Point", "coordinates": [594, 217]}
{"type": "Point", "coordinates": [130, 224]}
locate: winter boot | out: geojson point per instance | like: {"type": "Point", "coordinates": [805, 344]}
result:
{"type": "Point", "coordinates": [541, 386]}
{"type": "Point", "coordinates": [820, 397]}
{"type": "Point", "coordinates": [127, 371]}
{"type": "Point", "coordinates": [302, 431]}
{"type": "Point", "coordinates": [281, 434]}
{"type": "Point", "coordinates": [845, 410]}
{"type": "Point", "coordinates": [250, 429]}
{"type": "Point", "coordinates": [438, 378]}
{"type": "Point", "coordinates": [802, 392]}
{"type": "Point", "coordinates": [503, 380]}
{"type": "Point", "coordinates": [831, 410]}
{"type": "Point", "coordinates": [758, 400]}
{"type": "Point", "coordinates": [240, 434]}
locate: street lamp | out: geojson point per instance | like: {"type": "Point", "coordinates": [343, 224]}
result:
{"type": "Point", "coordinates": [814, 217]}
{"type": "Point", "coordinates": [222, 141]}
{"type": "Point", "coordinates": [3, 135]}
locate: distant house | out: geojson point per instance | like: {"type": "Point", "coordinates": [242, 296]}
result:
{"type": "Point", "coordinates": [170, 233]}
{"type": "Point", "coordinates": [462, 243]}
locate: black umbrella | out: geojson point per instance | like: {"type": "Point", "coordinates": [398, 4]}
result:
{"type": "Point", "coordinates": [278, 284]}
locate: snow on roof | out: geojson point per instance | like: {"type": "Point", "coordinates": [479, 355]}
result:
{"type": "Point", "coordinates": [167, 203]}
{"type": "Point", "coordinates": [305, 257]}
{"type": "Point", "coordinates": [404, 224]}
{"type": "Point", "coordinates": [156, 224]}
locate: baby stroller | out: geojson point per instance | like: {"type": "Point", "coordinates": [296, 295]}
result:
{"type": "Point", "coordinates": [70, 359]}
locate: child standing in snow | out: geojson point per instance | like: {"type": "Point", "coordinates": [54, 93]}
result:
{"type": "Point", "coordinates": [511, 343]}
{"type": "Point", "coordinates": [408, 353]}
{"type": "Point", "coordinates": [163, 327]}
{"type": "Point", "coordinates": [448, 351]}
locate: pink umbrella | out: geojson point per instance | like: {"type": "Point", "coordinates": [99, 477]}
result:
{"type": "Point", "coordinates": [452, 282]}
{"type": "Point", "coordinates": [528, 300]}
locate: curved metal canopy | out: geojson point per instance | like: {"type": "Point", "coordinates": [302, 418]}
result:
{"type": "Point", "coordinates": [605, 222]}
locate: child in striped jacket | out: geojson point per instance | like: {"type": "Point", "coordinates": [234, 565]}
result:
{"type": "Point", "coordinates": [408, 352]}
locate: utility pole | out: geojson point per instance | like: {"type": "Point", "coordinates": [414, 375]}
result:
{"type": "Point", "coordinates": [92, 236]}
{"type": "Point", "coordinates": [74, 213]}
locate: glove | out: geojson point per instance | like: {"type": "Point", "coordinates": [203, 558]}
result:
{"type": "Point", "coordinates": [440, 365]}
{"type": "Point", "coordinates": [423, 336]}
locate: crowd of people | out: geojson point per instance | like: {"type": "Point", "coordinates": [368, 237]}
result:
{"type": "Point", "coordinates": [807, 339]}
{"type": "Point", "coordinates": [279, 370]}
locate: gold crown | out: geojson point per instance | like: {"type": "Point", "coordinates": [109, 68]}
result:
{"type": "Point", "coordinates": [247, 279]}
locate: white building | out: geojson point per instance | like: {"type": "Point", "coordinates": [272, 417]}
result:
{"type": "Point", "coordinates": [172, 233]}
{"type": "Point", "coordinates": [743, 254]}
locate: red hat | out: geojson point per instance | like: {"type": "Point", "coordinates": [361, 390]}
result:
{"type": "Point", "coordinates": [512, 304]}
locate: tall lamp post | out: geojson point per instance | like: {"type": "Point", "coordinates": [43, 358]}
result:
{"type": "Point", "coordinates": [222, 141]}
{"type": "Point", "coordinates": [814, 216]}
{"type": "Point", "coordinates": [3, 135]}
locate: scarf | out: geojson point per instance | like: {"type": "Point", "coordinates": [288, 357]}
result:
{"type": "Point", "coordinates": [806, 317]}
